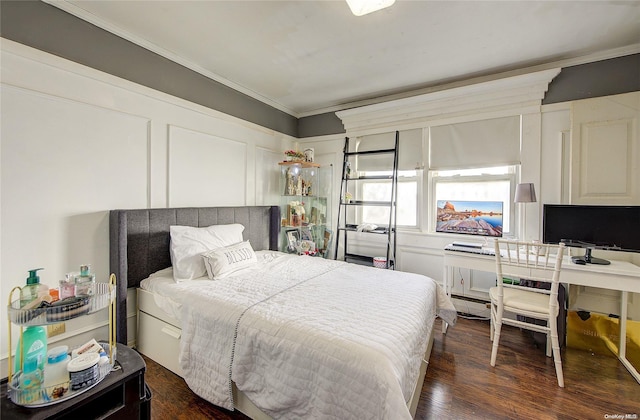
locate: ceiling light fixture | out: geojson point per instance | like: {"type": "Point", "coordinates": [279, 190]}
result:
{"type": "Point", "coordinates": [362, 7]}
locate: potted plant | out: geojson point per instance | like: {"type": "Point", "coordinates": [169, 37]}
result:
{"type": "Point", "coordinates": [292, 155]}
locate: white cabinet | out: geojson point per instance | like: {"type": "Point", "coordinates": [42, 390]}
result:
{"type": "Point", "coordinates": [472, 283]}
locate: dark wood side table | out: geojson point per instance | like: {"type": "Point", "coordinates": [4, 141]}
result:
{"type": "Point", "coordinates": [122, 394]}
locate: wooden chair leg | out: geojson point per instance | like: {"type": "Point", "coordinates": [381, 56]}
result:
{"type": "Point", "coordinates": [496, 340]}
{"type": "Point", "coordinates": [555, 344]}
{"type": "Point", "coordinates": [491, 327]}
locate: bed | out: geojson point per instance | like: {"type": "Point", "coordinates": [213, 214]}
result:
{"type": "Point", "coordinates": [286, 337]}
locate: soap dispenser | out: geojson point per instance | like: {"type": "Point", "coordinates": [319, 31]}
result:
{"type": "Point", "coordinates": [33, 289]}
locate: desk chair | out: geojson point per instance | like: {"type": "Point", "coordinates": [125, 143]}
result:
{"type": "Point", "coordinates": [531, 261]}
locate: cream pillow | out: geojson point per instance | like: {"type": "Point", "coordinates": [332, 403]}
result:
{"type": "Point", "coordinates": [221, 262]}
{"type": "Point", "coordinates": [188, 243]}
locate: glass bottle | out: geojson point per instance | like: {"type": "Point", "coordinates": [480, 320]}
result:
{"type": "Point", "coordinates": [85, 281]}
{"type": "Point", "coordinates": [68, 286]}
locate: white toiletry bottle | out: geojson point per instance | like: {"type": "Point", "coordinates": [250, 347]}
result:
{"type": "Point", "coordinates": [56, 375]}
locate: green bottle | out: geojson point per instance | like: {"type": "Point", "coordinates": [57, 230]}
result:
{"type": "Point", "coordinates": [34, 354]}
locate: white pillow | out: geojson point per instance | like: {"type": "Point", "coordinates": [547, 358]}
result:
{"type": "Point", "coordinates": [187, 243]}
{"type": "Point", "coordinates": [223, 261]}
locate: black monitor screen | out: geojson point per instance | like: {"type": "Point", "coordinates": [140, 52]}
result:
{"type": "Point", "coordinates": [615, 228]}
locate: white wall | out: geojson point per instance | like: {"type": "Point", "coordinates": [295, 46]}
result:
{"type": "Point", "coordinates": [76, 142]}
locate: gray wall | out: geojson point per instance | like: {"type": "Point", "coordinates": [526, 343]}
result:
{"type": "Point", "coordinates": [600, 78]}
{"type": "Point", "coordinates": [50, 29]}
{"type": "Point", "coordinates": [319, 125]}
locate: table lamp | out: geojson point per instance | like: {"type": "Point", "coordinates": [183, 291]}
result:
{"type": "Point", "coordinates": [525, 193]}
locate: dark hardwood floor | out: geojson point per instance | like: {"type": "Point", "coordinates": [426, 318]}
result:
{"type": "Point", "coordinates": [460, 383]}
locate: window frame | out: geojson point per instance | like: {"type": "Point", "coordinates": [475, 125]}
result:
{"type": "Point", "coordinates": [418, 178]}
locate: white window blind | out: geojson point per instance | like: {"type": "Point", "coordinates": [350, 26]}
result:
{"type": "Point", "coordinates": [409, 151]}
{"type": "Point", "coordinates": [475, 144]}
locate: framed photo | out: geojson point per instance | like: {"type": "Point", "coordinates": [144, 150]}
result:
{"type": "Point", "coordinates": [305, 233]}
{"type": "Point", "coordinates": [293, 237]}
{"type": "Point", "coordinates": [327, 240]}
{"type": "Point", "coordinates": [308, 247]}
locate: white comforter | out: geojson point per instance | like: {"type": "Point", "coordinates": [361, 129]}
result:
{"type": "Point", "coordinates": [305, 337]}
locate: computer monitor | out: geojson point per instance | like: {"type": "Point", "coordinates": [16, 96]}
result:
{"type": "Point", "coordinates": [482, 218]}
{"type": "Point", "coordinates": [611, 228]}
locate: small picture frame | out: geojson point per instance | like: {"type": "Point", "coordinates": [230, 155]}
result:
{"type": "Point", "coordinates": [307, 247]}
{"type": "Point", "coordinates": [314, 215]}
{"type": "Point", "coordinates": [327, 240]}
{"type": "Point", "coordinates": [308, 154]}
{"type": "Point", "coordinates": [293, 237]}
{"type": "Point", "coordinates": [305, 234]}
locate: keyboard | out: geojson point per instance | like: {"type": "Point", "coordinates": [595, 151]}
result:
{"type": "Point", "coordinates": [470, 250]}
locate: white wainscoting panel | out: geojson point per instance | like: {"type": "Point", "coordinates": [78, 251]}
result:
{"type": "Point", "coordinates": [63, 167]}
{"type": "Point", "coordinates": [605, 150]}
{"type": "Point", "coordinates": [205, 170]}
{"type": "Point", "coordinates": [267, 179]}
{"type": "Point", "coordinates": [422, 261]}
{"type": "Point", "coordinates": [606, 140]}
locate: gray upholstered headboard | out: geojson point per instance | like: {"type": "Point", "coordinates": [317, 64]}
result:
{"type": "Point", "coordinates": [139, 241]}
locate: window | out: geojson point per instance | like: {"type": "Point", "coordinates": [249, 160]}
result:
{"type": "Point", "coordinates": [380, 190]}
{"type": "Point", "coordinates": [481, 184]}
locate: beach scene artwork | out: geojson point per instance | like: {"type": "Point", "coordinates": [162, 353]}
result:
{"type": "Point", "coordinates": [482, 218]}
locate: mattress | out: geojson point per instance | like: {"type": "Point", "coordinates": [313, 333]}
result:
{"type": "Point", "coordinates": [305, 337]}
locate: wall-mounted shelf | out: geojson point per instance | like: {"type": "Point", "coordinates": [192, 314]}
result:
{"type": "Point", "coordinates": [300, 163]}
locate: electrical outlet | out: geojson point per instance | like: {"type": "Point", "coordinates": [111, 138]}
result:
{"type": "Point", "coordinates": [55, 329]}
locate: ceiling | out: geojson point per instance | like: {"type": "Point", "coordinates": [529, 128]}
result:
{"type": "Point", "coordinates": [309, 57]}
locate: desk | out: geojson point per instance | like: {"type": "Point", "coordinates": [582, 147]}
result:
{"type": "Point", "coordinates": [619, 275]}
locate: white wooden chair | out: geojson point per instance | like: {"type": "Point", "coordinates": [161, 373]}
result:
{"type": "Point", "coordinates": [517, 260]}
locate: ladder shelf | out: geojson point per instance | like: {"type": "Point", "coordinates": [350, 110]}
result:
{"type": "Point", "coordinates": [346, 229]}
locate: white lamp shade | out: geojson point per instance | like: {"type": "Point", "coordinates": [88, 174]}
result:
{"type": "Point", "coordinates": [525, 193]}
{"type": "Point", "coordinates": [362, 7]}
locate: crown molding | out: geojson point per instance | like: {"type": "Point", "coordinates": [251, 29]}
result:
{"type": "Point", "coordinates": [562, 63]}
{"type": "Point", "coordinates": [508, 96]}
